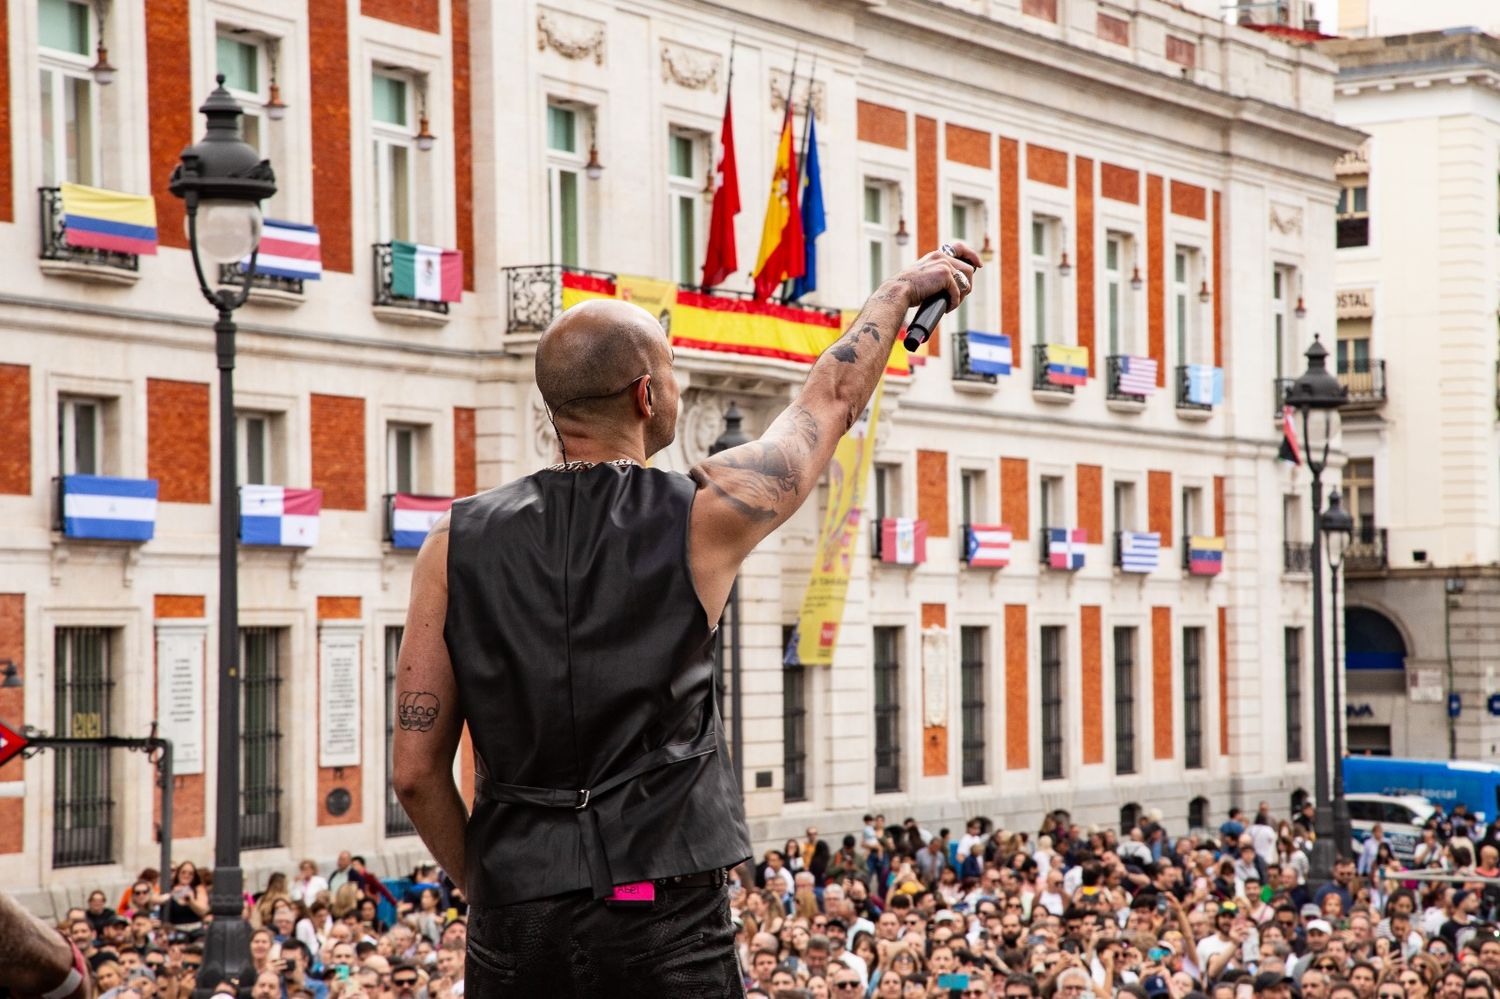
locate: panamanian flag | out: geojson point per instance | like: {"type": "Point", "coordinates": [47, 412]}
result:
{"type": "Point", "coordinates": [1065, 547]}
{"type": "Point", "coordinates": [413, 516]}
{"type": "Point", "coordinates": [108, 509]}
{"type": "Point", "coordinates": [279, 515]}
{"type": "Point", "coordinates": [1205, 556]}
{"type": "Point", "coordinates": [988, 546]}
{"type": "Point", "coordinates": [1067, 365]}
{"type": "Point", "coordinates": [1140, 551]}
{"type": "Point", "coordinates": [903, 540]}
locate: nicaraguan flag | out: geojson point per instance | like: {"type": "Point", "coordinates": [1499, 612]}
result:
{"type": "Point", "coordinates": [1137, 376]}
{"type": "Point", "coordinates": [413, 516]}
{"type": "Point", "coordinates": [989, 353]}
{"type": "Point", "coordinates": [426, 273]}
{"type": "Point", "coordinates": [277, 515]}
{"type": "Point", "coordinates": [108, 509]}
{"type": "Point", "coordinates": [1205, 556]}
{"type": "Point", "coordinates": [988, 545]}
{"type": "Point", "coordinates": [1067, 365]}
{"type": "Point", "coordinates": [288, 250]}
{"type": "Point", "coordinates": [1139, 551]}
{"type": "Point", "coordinates": [903, 540]}
{"type": "Point", "coordinates": [1205, 384]}
{"type": "Point", "coordinates": [108, 220]}
{"type": "Point", "coordinates": [1065, 547]}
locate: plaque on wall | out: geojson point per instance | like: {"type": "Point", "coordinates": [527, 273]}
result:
{"type": "Point", "coordinates": [179, 693]}
{"type": "Point", "coordinates": [338, 698]}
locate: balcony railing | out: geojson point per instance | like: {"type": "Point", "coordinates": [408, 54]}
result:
{"type": "Point", "coordinates": [1366, 384]}
{"type": "Point", "coordinates": [231, 274]}
{"type": "Point", "coordinates": [55, 244]}
{"type": "Point", "coordinates": [961, 370]}
{"type": "Point", "coordinates": [1367, 551]}
{"type": "Point", "coordinates": [534, 294]}
{"type": "Point", "coordinates": [1279, 388]}
{"type": "Point", "coordinates": [1184, 382]}
{"type": "Point", "coordinates": [1296, 556]}
{"type": "Point", "coordinates": [1114, 364]}
{"type": "Point", "coordinates": [383, 294]}
{"type": "Point", "coordinates": [1039, 379]}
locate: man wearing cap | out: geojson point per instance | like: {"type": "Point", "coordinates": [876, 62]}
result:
{"type": "Point", "coordinates": [1271, 985]}
{"type": "Point", "coordinates": [1318, 935]}
{"type": "Point", "coordinates": [1465, 904]}
{"type": "Point", "coordinates": [1222, 947]}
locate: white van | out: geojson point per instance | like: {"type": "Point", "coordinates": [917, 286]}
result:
{"type": "Point", "coordinates": [1401, 816]}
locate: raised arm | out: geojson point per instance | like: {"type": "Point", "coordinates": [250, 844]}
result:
{"type": "Point", "coordinates": [747, 492]}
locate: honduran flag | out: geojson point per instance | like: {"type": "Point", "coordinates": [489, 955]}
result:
{"type": "Point", "coordinates": [903, 540]}
{"type": "Point", "coordinates": [988, 545]}
{"type": "Point", "coordinates": [288, 250]}
{"type": "Point", "coordinates": [989, 353]}
{"type": "Point", "coordinates": [1067, 365]}
{"type": "Point", "coordinates": [1139, 551]}
{"type": "Point", "coordinates": [108, 509]}
{"type": "Point", "coordinates": [108, 220]}
{"type": "Point", "coordinates": [1065, 547]}
{"type": "Point", "coordinates": [1205, 556]}
{"type": "Point", "coordinates": [427, 273]}
{"type": "Point", "coordinates": [278, 515]}
{"type": "Point", "coordinates": [413, 516]}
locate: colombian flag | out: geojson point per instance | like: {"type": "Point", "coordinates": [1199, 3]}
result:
{"type": "Point", "coordinates": [782, 254]}
{"type": "Point", "coordinates": [109, 220]}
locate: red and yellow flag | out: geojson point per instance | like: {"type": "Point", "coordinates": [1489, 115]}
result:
{"type": "Point", "coordinates": [782, 255]}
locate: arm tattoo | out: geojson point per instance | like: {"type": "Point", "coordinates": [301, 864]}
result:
{"type": "Point", "coordinates": [757, 477]}
{"type": "Point", "coordinates": [417, 711]}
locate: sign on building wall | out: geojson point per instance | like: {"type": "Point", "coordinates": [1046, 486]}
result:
{"type": "Point", "coordinates": [179, 693]}
{"type": "Point", "coordinates": [338, 697]}
{"type": "Point", "coordinates": [934, 676]}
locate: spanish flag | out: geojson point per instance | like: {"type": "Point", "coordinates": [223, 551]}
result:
{"type": "Point", "coordinates": [782, 254]}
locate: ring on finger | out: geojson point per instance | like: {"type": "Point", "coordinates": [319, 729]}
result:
{"type": "Point", "coordinates": [963, 282]}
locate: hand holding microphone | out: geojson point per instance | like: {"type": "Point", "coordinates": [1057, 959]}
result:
{"type": "Point", "coordinates": [939, 282]}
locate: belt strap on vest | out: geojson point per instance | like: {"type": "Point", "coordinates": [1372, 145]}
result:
{"type": "Point", "coordinates": [579, 800]}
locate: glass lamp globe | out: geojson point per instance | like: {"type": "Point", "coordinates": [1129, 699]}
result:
{"type": "Point", "coordinates": [227, 230]}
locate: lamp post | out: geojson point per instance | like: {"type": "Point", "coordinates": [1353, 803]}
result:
{"type": "Point", "coordinates": [732, 436]}
{"type": "Point", "coordinates": [222, 181]}
{"type": "Point", "coordinates": [1317, 397]}
{"type": "Point", "coordinates": [1338, 531]}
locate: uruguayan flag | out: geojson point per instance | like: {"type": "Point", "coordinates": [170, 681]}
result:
{"type": "Point", "coordinates": [1139, 552]}
{"type": "Point", "coordinates": [989, 353]}
{"type": "Point", "coordinates": [108, 509]}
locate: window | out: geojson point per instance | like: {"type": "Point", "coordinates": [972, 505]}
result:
{"type": "Point", "coordinates": [397, 822]}
{"type": "Point", "coordinates": [1193, 521]}
{"type": "Point", "coordinates": [69, 113]}
{"type": "Point", "coordinates": [1353, 348]}
{"type": "Point", "coordinates": [1291, 518]}
{"type": "Point", "coordinates": [1353, 224]}
{"type": "Point", "coordinates": [1124, 700]}
{"type": "Point", "coordinates": [1359, 496]}
{"type": "Point", "coordinates": [1054, 502]}
{"type": "Point", "coordinates": [887, 709]}
{"type": "Point", "coordinates": [405, 458]}
{"type": "Point", "coordinates": [1198, 814]}
{"type": "Point", "coordinates": [968, 225]}
{"type": "Point", "coordinates": [1292, 660]}
{"type": "Point", "coordinates": [239, 59]}
{"type": "Point", "coordinates": [880, 253]}
{"type": "Point", "coordinates": [1119, 264]}
{"type": "Point", "coordinates": [1052, 704]}
{"type": "Point", "coordinates": [1130, 818]}
{"type": "Point", "coordinates": [253, 437]}
{"type": "Point", "coordinates": [793, 724]}
{"type": "Point", "coordinates": [83, 805]}
{"type": "Point", "coordinates": [685, 168]}
{"type": "Point", "coordinates": [1185, 302]}
{"type": "Point", "coordinates": [887, 492]}
{"type": "Point", "coordinates": [971, 495]}
{"type": "Point", "coordinates": [80, 435]}
{"type": "Point", "coordinates": [972, 643]}
{"type": "Point", "coordinates": [260, 737]}
{"type": "Point", "coordinates": [1282, 282]}
{"type": "Point", "coordinates": [1045, 312]}
{"type": "Point", "coordinates": [1192, 698]}
{"type": "Point", "coordinates": [1124, 506]}
{"type": "Point", "coordinates": [394, 146]}
{"type": "Point", "coordinates": [566, 159]}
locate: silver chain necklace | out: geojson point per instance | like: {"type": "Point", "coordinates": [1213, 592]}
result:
{"type": "Point", "coordinates": [580, 466]}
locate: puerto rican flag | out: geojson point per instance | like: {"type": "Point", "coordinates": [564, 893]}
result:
{"type": "Point", "coordinates": [288, 250]}
{"type": "Point", "coordinates": [1065, 547]}
{"type": "Point", "coordinates": [988, 546]}
{"type": "Point", "coordinates": [903, 540]}
{"type": "Point", "coordinates": [413, 516]}
{"type": "Point", "coordinates": [278, 515]}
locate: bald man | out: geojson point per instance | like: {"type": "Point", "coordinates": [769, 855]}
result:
{"type": "Point", "coordinates": [569, 618]}
{"type": "Point", "coordinates": [35, 960]}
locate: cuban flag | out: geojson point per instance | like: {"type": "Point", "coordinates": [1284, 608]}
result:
{"type": "Point", "coordinates": [1140, 551]}
{"type": "Point", "coordinates": [413, 516]}
{"type": "Point", "coordinates": [1067, 365]}
{"type": "Point", "coordinates": [1205, 385]}
{"type": "Point", "coordinates": [988, 545]}
{"type": "Point", "coordinates": [1137, 376]}
{"type": "Point", "coordinates": [108, 509]}
{"type": "Point", "coordinates": [1065, 547]}
{"type": "Point", "coordinates": [277, 515]}
{"type": "Point", "coordinates": [1205, 556]}
{"type": "Point", "coordinates": [903, 540]}
{"type": "Point", "coordinates": [989, 353]}
{"type": "Point", "coordinates": [288, 250]}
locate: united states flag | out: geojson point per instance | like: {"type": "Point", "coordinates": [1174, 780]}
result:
{"type": "Point", "coordinates": [1137, 375]}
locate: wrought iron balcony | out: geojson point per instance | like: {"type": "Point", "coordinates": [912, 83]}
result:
{"type": "Point", "coordinates": [961, 370]}
{"type": "Point", "coordinates": [1113, 365]}
{"type": "Point", "coordinates": [1296, 556]}
{"type": "Point", "coordinates": [383, 293]}
{"type": "Point", "coordinates": [534, 293]}
{"type": "Point", "coordinates": [1366, 384]}
{"type": "Point", "coordinates": [55, 244]}
{"type": "Point", "coordinates": [1183, 391]}
{"type": "Point", "coordinates": [231, 274]}
{"type": "Point", "coordinates": [1039, 378]}
{"type": "Point", "coordinates": [1367, 551]}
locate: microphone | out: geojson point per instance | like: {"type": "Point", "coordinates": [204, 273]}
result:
{"type": "Point", "coordinates": [928, 313]}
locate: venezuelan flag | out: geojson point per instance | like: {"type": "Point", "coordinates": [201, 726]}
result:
{"type": "Point", "coordinates": [1205, 555]}
{"type": "Point", "coordinates": [109, 220]}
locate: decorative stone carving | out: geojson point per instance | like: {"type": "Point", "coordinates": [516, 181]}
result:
{"type": "Point", "coordinates": [690, 68]}
{"type": "Point", "coordinates": [569, 35]}
{"type": "Point", "coordinates": [699, 425]}
{"type": "Point", "coordinates": [779, 79]}
{"type": "Point", "coordinates": [1286, 220]}
{"type": "Point", "coordinates": [543, 440]}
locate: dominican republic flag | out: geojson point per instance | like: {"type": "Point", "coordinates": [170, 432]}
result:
{"type": "Point", "coordinates": [288, 250]}
{"type": "Point", "coordinates": [989, 353]}
{"type": "Point", "coordinates": [1065, 547]}
{"type": "Point", "coordinates": [426, 273]}
{"type": "Point", "coordinates": [1139, 551]}
{"type": "Point", "coordinates": [278, 515]}
{"type": "Point", "coordinates": [1205, 385]}
{"type": "Point", "coordinates": [1137, 376]}
{"type": "Point", "coordinates": [413, 516]}
{"type": "Point", "coordinates": [988, 545]}
{"type": "Point", "coordinates": [903, 540]}
{"type": "Point", "coordinates": [1205, 556]}
{"type": "Point", "coordinates": [1067, 365]}
{"type": "Point", "coordinates": [1291, 446]}
{"type": "Point", "coordinates": [108, 509]}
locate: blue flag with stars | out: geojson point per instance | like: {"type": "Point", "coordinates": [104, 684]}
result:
{"type": "Point", "coordinates": [813, 222]}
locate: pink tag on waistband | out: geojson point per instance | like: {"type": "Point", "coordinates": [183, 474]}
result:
{"type": "Point", "coordinates": [636, 891]}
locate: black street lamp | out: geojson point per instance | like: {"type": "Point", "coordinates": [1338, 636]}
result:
{"type": "Point", "coordinates": [1338, 531]}
{"type": "Point", "coordinates": [222, 180]}
{"type": "Point", "coordinates": [733, 436]}
{"type": "Point", "coordinates": [1317, 397]}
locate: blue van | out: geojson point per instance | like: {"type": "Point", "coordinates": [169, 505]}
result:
{"type": "Point", "coordinates": [1442, 782]}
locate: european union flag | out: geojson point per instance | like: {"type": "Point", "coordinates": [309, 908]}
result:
{"type": "Point", "coordinates": [813, 222]}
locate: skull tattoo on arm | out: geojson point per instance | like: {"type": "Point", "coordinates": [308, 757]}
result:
{"type": "Point", "coordinates": [417, 711]}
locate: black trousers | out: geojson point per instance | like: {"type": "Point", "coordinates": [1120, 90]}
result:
{"type": "Point", "coordinates": [573, 947]}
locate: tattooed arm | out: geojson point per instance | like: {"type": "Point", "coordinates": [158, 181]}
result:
{"type": "Point", "coordinates": [747, 492]}
{"type": "Point", "coordinates": [428, 717]}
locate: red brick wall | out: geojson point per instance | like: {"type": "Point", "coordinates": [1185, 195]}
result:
{"type": "Point", "coordinates": [1017, 706]}
{"type": "Point", "coordinates": [1015, 503]}
{"type": "Point", "coordinates": [1188, 200]}
{"type": "Point", "coordinates": [171, 97]}
{"type": "Point", "coordinates": [178, 605]}
{"type": "Point", "coordinates": [463, 140]}
{"type": "Point", "coordinates": [1091, 502]}
{"type": "Point", "coordinates": [934, 737]}
{"type": "Point", "coordinates": [1159, 505]}
{"type": "Point", "coordinates": [1156, 283]}
{"type": "Point", "coordinates": [1183, 52]}
{"type": "Point", "coordinates": [884, 126]}
{"type": "Point", "coordinates": [338, 451]}
{"type": "Point", "coordinates": [7, 182]}
{"type": "Point", "coordinates": [1044, 9]}
{"type": "Point", "coordinates": [1113, 29]}
{"type": "Point", "coordinates": [932, 491]}
{"type": "Point", "coordinates": [338, 608]}
{"type": "Point", "coordinates": [328, 44]}
{"type": "Point", "coordinates": [1083, 180]}
{"type": "Point", "coordinates": [1219, 505]}
{"type": "Point", "coordinates": [928, 236]}
{"type": "Point", "coordinates": [1223, 681]}
{"type": "Point", "coordinates": [12, 712]}
{"type": "Point", "coordinates": [15, 415]}
{"type": "Point", "coordinates": [177, 440]}
{"type": "Point", "coordinates": [1010, 246]}
{"type": "Point", "coordinates": [189, 791]}
{"type": "Point", "coordinates": [1091, 643]}
{"type": "Point", "coordinates": [465, 471]}
{"type": "Point", "coordinates": [1119, 184]}
{"type": "Point", "coordinates": [419, 14]}
{"type": "Point", "coordinates": [1161, 681]}
{"type": "Point", "coordinates": [967, 145]}
{"type": "Point", "coordinates": [1218, 282]}
{"type": "Point", "coordinates": [1047, 166]}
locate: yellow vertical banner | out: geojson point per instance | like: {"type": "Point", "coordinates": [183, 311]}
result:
{"type": "Point", "coordinates": [823, 604]}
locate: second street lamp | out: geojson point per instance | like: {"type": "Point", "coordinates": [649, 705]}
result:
{"type": "Point", "coordinates": [222, 181]}
{"type": "Point", "coordinates": [1338, 531]}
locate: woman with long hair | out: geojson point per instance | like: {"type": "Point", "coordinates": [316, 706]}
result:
{"type": "Point", "coordinates": [793, 855]}
{"type": "Point", "coordinates": [186, 900]}
{"type": "Point", "coordinates": [346, 899]}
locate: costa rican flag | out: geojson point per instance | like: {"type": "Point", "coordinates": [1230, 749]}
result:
{"type": "Point", "coordinates": [1067, 365]}
{"type": "Point", "coordinates": [1139, 551]}
{"type": "Point", "coordinates": [413, 516]}
{"type": "Point", "coordinates": [1137, 376]}
{"type": "Point", "coordinates": [988, 545]}
{"type": "Point", "coordinates": [278, 515]}
{"type": "Point", "coordinates": [288, 250]}
{"type": "Point", "coordinates": [1205, 556]}
{"type": "Point", "coordinates": [1065, 547]}
{"type": "Point", "coordinates": [903, 540]}
{"type": "Point", "coordinates": [989, 353]}
{"type": "Point", "coordinates": [108, 509]}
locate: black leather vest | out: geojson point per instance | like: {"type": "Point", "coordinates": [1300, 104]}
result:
{"type": "Point", "coordinates": [584, 664]}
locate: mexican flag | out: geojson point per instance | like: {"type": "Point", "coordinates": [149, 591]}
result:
{"type": "Point", "coordinates": [429, 273]}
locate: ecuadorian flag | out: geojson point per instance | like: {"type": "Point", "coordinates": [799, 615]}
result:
{"type": "Point", "coordinates": [109, 220]}
{"type": "Point", "coordinates": [1067, 365]}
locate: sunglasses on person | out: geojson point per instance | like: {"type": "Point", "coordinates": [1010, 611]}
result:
{"type": "Point", "coordinates": [913, 921]}
{"type": "Point", "coordinates": [405, 982]}
{"type": "Point", "coordinates": [975, 993]}
{"type": "Point", "coordinates": [192, 965]}
{"type": "Point", "coordinates": [1391, 994]}
{"type": "Point", "coordinates": [841, 986]}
